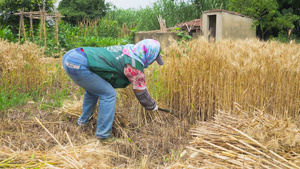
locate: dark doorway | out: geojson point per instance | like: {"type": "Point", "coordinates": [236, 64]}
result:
{"type": "Point", "coordinates": [212, 24]}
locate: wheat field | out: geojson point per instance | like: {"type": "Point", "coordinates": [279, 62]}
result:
{"type": "Point", "coordinates": [233, 104]}
{"type": "Point", "coordinates": [200, 78]}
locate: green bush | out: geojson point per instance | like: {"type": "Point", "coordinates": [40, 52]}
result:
{"type": "Point", "coordinates": [6, 33]}
{"type": "Point", "coordinates": [285, 38]}
{"type": "Point", "coordinates": [108, 28]}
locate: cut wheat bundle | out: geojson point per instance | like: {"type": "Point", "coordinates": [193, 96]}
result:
{"type": "Point", "coordinates": [244, 140]}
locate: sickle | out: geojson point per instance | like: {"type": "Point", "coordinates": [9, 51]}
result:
{"type": "Point", "coordinates": [165, 110]}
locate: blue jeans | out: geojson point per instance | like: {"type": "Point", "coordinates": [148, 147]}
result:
{"type": "Point", "coordinates": [76, 66]}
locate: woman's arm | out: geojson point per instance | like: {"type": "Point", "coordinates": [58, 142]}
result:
{"type": "Point", "coordinates": [137, 78]}
{"type": "Point", "coordinates": [146, 100]}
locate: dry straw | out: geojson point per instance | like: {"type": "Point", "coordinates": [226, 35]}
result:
{"type": "Point", "coordinates": [64, 154]}
{"type": "Point", "coordinates": [25, 67]}
{"type": "Point", "coordinates": [243, 140]}
{"type": "Point", "coordinates": [92, 154]}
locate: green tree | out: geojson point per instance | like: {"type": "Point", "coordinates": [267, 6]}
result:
{"type": "Point", "coordinates": [77, 10]}
{"type": "Point", "coordinates": [290, 8]}
{"type": "Point", "coordinates": [204, 5]}
{"type": "Point", "coordinates": [294, 5]}
{"type": "Point", "coordinates": [262, 11]}
{"type": "Point", "coordinates": [285, 21]}
{"type": "Point", "coordinates": [9, 7]}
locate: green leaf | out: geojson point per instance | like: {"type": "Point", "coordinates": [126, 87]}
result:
{"type": "Point", "coordinates": [129, 140]}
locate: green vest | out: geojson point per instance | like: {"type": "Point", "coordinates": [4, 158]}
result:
{"type": "Point", "coordinates": [109, 63]}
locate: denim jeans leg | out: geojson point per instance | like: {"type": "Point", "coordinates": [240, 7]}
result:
{"type": "Point", "coordinates": [106, 114]}
{"type": "Point", "coordinates": [89, 102]}
{"type": "Point", "coordinates": [77, 72]}
{"type": "Point", "coordinates": [96, 88]}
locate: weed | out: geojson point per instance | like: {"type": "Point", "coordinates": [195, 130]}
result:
{"type": "Point", "coordinates": [12, 98]}
{"type": "Point", "coordinates": [182, 34]}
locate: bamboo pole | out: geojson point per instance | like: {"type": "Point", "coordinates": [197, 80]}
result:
{"type": "Point", "coordinates": [31, 26]}
{"type": "Point", "coordinates": [41, 28]}
{"type": "Point", "coordinates": [41, 15]}
{"type": "Point", "coordinates": [21, 24]}
{"type": "Point", "coordinates": [44, 26]}
{"type": "Point", "coordinates": [56, 25]}
{"type": "Point", "coordinates": [20, 27]}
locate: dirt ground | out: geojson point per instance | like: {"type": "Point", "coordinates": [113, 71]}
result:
{"type": "Point", "coordinates": [155, 142]}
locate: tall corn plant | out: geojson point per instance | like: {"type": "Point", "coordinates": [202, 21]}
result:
{"type": "Point", "coordinates": [204, 5]}
{"type": "Point", "coordinates": [128, 16]}
{"type": "Point", "coordinates": [145, 19]}
{"type": "Point", "coordinates": [175, 12]}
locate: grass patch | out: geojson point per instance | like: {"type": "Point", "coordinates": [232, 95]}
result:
{"type": "Point", "coordinates": [12, 98]}
{"type": "Point", "coordinates": [55, 99]}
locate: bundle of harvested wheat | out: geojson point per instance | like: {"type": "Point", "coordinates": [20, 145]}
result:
{"type": "Point", "coordinates": [246, 140]}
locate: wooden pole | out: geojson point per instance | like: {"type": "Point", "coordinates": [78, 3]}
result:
{"type": "Point", "coordinates": [37, 15]}
{"type": "Point", "coordinates": [95, 26]}
{"type": "Point", "coordinates": [31, 26]}
{"type": "Point", "coordinates": [56, 26]}
{"type": "Point", "coordinates": [42, 15]}
{"type": "Point", "coordinates": [41, 27]}
{"type": "Point", "coordinates": [20, 27]}
{"type": "Point", "coordinates": [22, 24]}
{"type": "Point", "coordinates": [86, 28]}
{"type": "Point", "coordinates": [44, 19]}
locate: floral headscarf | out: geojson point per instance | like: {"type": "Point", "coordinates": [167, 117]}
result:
{"type": "Point", "coordinates": [144, 51]}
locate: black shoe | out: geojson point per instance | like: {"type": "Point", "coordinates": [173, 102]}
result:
{"type": "Point", "coordinates": [109, 139]}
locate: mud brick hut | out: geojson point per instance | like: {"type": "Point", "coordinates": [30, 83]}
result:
{"type": "Point", "coordinates": [192, 27]}
{"type": "Point", "coordinates": [221, 24]}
